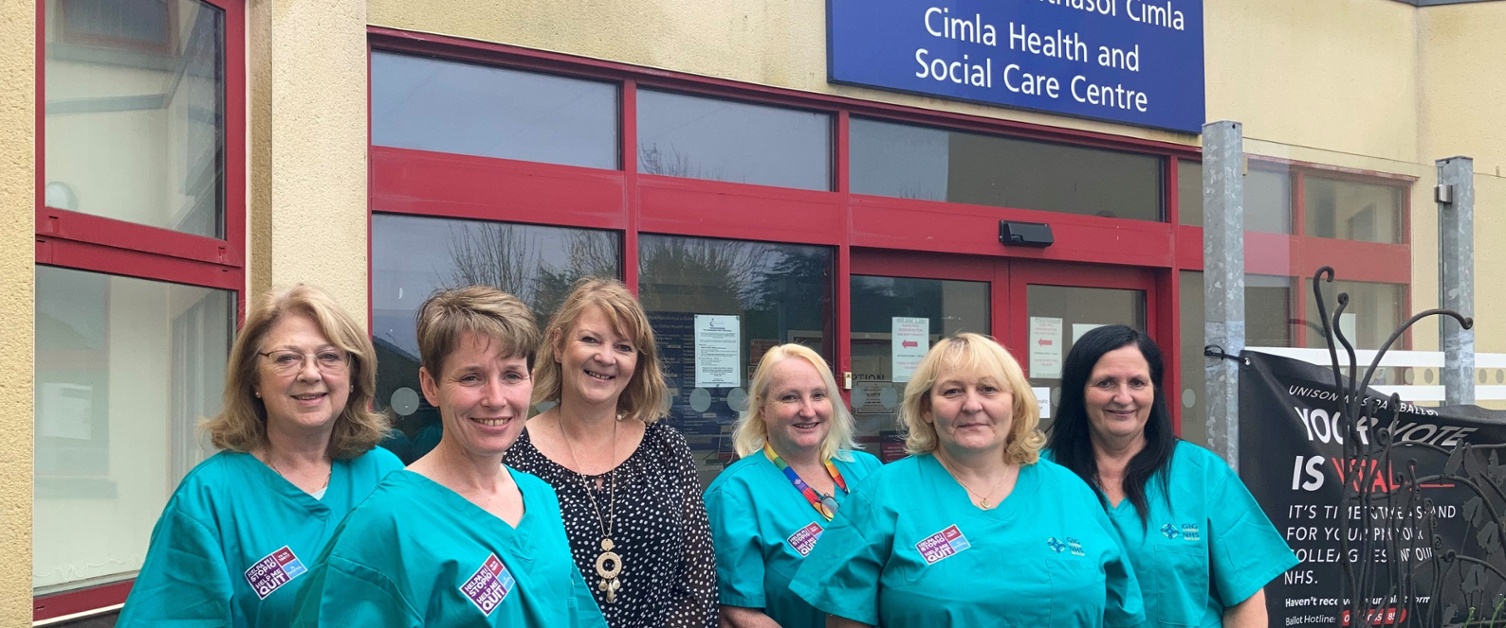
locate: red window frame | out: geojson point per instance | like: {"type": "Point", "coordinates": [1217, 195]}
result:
{"type": "Point", "coordinates": [443, 185]}
{"type": "Point", "coordinates": [1297, 255]}
{"type": "Point", "coordinates": [69, 239]}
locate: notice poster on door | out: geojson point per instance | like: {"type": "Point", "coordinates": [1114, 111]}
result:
{"type": "Point", "coordinates": [1045, 347]}
{"type": "Point", "coordinates": [716, 359]}
{"type": "Point", "coordinates": [907, 345]}
{"type": "Point", "coordinates": [1078, 329]}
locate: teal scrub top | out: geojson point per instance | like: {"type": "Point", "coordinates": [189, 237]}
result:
{"type": "Point", "coordinates": [1210, 546]}
{"type": "Point", "coordinates": [909, 548]}
{"type": "Point", "coordinates": [762, 527]}
{"type": "Point", "coordinates": [236, 540]}
{"type": "Point", "coordinates": [419, 554]}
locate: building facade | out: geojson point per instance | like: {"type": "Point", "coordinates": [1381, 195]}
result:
{"type": "Point", "coordinates": [177, 158]}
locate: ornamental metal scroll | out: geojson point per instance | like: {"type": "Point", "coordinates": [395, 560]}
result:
{"type": "Point", "coordinates": [1403, 563]}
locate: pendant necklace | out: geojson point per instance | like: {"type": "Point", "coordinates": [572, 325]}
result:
{"type": "Point", "coordinates": [982, 501]}
{"type": "Point", "coordinates": [608, 562]}
{"type": "Point", "coordinates": [273, 466]}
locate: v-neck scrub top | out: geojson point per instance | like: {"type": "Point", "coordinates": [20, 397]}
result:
{"type": "Point", "coordinates": [235, 542]}
{"type": "Point", "coordinates": [1209, 547]}
{"type": "Point", "coordinates": [908, 548]}
{"type": "Point", "coordinates": [762, 528]}
{"type": "Point", "coordinates": [419, 554]}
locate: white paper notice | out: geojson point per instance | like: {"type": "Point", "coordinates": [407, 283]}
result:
{"type": "Point", "coordinates": [1045, 347]}
{"type": "Point", "coordinates": [908, 344]}
{"type": "Point", "coordinates": [1043, 399]}
{"type": "Point", "coordinates": [716, 359]}
{"type": "Point", "coordinates": [1078, 329]}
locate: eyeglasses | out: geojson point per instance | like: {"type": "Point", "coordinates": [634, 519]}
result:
{"type": "Point", "coordinates": [829, 502]}
{"type": "Point", "coordinates": [330, 361]}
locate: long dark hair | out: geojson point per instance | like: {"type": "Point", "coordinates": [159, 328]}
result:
{"type": "Point", "coordinates": [1070, 439]}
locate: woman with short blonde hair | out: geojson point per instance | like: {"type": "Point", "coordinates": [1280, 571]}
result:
{"type": "Point", "coordinates": [921, 541]}
{"type": "Point", "coordinates": [972, 353]}
{"type": "Point", "coordinates": [458, 538]}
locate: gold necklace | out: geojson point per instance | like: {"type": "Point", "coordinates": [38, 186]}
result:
{"type": "Point", "coordinates": [608, 562]}
{"type": "Point", "coordinates": [273, 466]}
{"type": "Point", "coordinates": [982, 501]}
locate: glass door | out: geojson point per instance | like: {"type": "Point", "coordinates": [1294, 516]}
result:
{"type": "Point", "coordinates": [901, 305]}
{"type": "Point", "coordinates": [1057, 303]}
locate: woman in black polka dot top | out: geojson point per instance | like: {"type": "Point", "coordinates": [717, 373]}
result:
{"type": "Point", "coordinates": [626, 483]}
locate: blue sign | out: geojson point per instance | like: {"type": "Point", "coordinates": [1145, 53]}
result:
{"type": "Point", "coordinates": [1133, 61]}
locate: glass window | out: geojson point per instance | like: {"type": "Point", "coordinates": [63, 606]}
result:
{"type": "Point", "coordinates": [1074, 311]}
{"type": "Point", "coordinates": [1268, 197]}
{"type": "Point", "coordinates": [938, 165]}
{"type": "Point", "coordinates": [1270, 321]}
{"type": "Point", "coordinates": [125, 369]}
{"type": "Point", "coordinates": [1190, 193]}
{"type": "Point", "coordinates": [720, 140]}
{"type": "Point", "coordinates": [1374, 311]}
{"type": "Point", "coordinates": [135, 120]}
{"type": "Point", "coordinates": [1193, 396]}
{"type": "Point", "coordinates": [1351, 210]}
{"type": "Point", "coordinates": [453, 107]}
{"type": "Point", "coordinates": [882, 304]}
{"type": "Point", "coordinates": [716, 307]}
{"type": "Point", "coordinates": [1268, 200]}
{"type": "Point", "coordinates": [411, 257]}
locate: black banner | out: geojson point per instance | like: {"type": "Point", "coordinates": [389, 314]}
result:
{"type": "Point", "coordinates": [1402, 526]}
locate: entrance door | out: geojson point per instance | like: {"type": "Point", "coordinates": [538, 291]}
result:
{"type": "Point", "coordinates": [902, 303]}
{"type": "Point", "coordinates": [1057, 304]}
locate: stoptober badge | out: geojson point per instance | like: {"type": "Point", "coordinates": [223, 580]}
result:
{"type": "Point", "coordinates": [489, 585]}
{"type": "Point", "coordinates": [273, 571]}
{"type": "Point", "coordinates": [804, 539]}
{"type": "Point", "coordinates": [942, 544]}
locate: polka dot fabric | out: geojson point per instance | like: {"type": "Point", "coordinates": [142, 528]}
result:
{"type": "Point", "coordinates": [668, 568]}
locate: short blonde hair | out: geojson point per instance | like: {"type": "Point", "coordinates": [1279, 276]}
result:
{"type": "Point", "coordinates": [242, 423]}
{"type": "Point", "coordinates": [644, 397]}
{"type": "Point", "coordinates": [982, 356]}
{"type": "Point", "coordinates": [752, 430]}
{"type": "Point", "coordinates": [485, 311]}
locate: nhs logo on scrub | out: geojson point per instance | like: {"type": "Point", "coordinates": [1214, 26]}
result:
{"type": "Point", "coordinates": [1132, 61]}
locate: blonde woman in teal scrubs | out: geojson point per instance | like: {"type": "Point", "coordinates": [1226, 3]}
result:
{"type": "Point", "coordinates": [973, 529]}
{"type": "Point", "coordinates": [798, 464]}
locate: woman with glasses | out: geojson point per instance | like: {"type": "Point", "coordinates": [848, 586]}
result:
{"type": "Point", "coordinates": [298, 435]}
{"type": "Point", "coordinates": [797, 466]}
{"type": "Point", "coordinates": [973, 528]}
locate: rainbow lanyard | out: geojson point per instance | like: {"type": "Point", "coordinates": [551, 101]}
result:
{"type": "Point", "coordinates": [824, 504]}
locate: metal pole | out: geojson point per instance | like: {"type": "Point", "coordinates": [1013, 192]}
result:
{"type": "Point", "coordinates": [1223, 279]}
{"type": "Point", "coordinates": [1455, 195]}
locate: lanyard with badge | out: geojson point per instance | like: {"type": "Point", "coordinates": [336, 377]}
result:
{"type": "Point", "coordinates": [824, 504]}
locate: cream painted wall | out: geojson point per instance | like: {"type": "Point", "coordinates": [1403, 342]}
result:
{"type": "Point", "coordinates": [307, 190]}
{"type": "Point", "coordinates": [1464, 100]}
{"type": "Point", "coordinates": [1337, 75]}
{"type": "Point", "coordinates": [17, 208]}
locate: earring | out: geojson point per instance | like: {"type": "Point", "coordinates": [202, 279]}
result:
{"type": "Point", "coordinates": [257, 393]}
